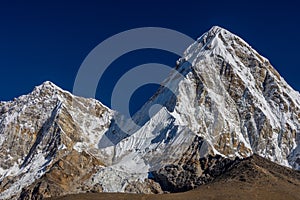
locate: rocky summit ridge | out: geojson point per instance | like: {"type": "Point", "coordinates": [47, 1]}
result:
{"type": "Point", "coordinates": [230, 104]}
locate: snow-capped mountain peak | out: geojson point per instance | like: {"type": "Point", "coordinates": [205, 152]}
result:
{"type": "Point", "coordinates": [48, 85]}
{"type": "Point", "coordinates": [233, 98]}
{"type": "Point", "coordinates": [40, 129]}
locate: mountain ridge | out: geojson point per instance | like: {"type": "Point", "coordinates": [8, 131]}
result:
{"type": "Point", "coordinates": [229, 102]}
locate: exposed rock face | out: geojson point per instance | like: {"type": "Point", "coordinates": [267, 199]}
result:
{"type": "Point", "coordinates": [46, 142]}
{"type": "Point", "coordinates": [147, 186]}
{"type": "Point", "coordinates": [230, 104]}
{"type": "Point", "coordinates": [192, 170]}
{"type": "Point", "coordinates": [66, 176]}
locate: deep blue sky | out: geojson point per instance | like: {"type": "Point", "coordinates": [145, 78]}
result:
{"type": "Point", "coordinates": [48, 40]}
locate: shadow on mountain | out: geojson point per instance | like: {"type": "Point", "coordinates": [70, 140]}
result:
{"type": "Point", "coordinates": [112, 136]}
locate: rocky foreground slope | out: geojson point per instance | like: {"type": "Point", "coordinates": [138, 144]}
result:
{"type": "Point", "coordinates": [230, 104]}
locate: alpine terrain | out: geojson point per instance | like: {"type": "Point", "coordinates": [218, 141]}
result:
{"type": "Point", "coordinates": [229, 105]}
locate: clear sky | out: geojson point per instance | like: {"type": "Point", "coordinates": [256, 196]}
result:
{"type": "Point", "coordinates": [48, 40]}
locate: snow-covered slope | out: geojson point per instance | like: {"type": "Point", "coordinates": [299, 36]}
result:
{"type": "Point", "coordinates": [230, 103]}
